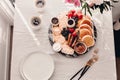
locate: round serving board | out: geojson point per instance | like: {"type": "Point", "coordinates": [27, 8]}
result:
{"type": "Point", "coordinates": [60, 48]}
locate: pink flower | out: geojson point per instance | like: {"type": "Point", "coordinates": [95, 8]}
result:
{"type": "Point", "coordinates": [69, 1]}
{"type": "Point", "coordinates": [97, 2]}
{"type": "Point", "coordinates": [75, 2]}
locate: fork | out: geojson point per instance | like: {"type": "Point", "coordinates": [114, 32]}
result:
{"type": "Point", "coordinates": [89, 63]}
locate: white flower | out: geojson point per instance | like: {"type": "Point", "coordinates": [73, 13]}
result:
{"type": "Point", "coordinates": [97, 2]}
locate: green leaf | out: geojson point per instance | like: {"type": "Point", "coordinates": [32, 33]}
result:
{"type": "Point", "coordinates": [84, 6]}
{"type": "Point", "coordinates": [101, 7]}
{"type": "Point", "coordinates": [96, 6]}
{"type": "Point", "coordinates": [106, 7]}
{"type": "Point", "coordinates": [81, 2]}
{"type": "Point", "coordinates": [92, 8]}
{"type": "Point", "coordinates": [85, 10]}
{"type": "Point", "coordinates": [89, 10]}
{"type": "Point", "coordinates": [107, 2]}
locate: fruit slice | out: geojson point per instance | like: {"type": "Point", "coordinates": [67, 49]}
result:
{"type": "Point", "coordinates": [86, 26]}
{"type": "Point", "coordinates": [84, 32]}
{"type": "Point", "coordinates": [88, 40]}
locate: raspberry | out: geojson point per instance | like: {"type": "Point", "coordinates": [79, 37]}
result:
{"type": "Point", "coordinates": [71, 30]}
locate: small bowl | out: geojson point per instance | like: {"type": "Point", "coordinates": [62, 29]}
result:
{"type": "Point", "coordinates": [80, 48]}
{"type": "Point", "coordinates": [55, 21]}
{"type": "Point", "coordinates": [71, 23]}
{"type": "Point", "coordinates": [40, 3]}
{"type": "Point", "coordinates": [36, 22]}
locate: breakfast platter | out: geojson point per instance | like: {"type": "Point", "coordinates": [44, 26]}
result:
{"type": "Point", "coordinates": [55, 40]}
{"type": "Point", "coordinates": [72, 33]}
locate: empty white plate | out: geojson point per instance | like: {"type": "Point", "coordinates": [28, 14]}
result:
{"type": "Point", "coordinates": [37, 66]}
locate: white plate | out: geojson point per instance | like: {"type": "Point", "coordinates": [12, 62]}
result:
{"type": "Point", "coordinates": [37, 66]}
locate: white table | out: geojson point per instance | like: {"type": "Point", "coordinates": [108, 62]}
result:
{"type": "Point", "coordinates": [23, 44]}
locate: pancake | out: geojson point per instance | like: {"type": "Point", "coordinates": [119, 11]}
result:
{"type": "Point", "coordinates": [84, 32]}
{"type": "Point", "coordinates": [86, 26]}
{"type": "Point", "coordinates": [88, 40]}
{"type": "Point", "coordinates": [86, 21]}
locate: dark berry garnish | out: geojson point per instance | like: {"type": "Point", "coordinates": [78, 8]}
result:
{"type": "Point", "coordinates": [65, 33]}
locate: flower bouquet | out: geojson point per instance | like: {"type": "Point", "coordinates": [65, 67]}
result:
{"type": "Point", "coordinates": [87, 5]}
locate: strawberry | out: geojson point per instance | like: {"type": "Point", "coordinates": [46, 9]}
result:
{"type": "Point", "coordinates": [74, 34]}
{"type": "Point", "coordinates": [71, 30]}
{"type": "Point", "coordinates": [70, 15]}
{"type": "Point", "coordinates": [80, 16]}
{"type": "Point", "coordinates": [75, 15]}
{"type": "Point", "coordinates": [72, 11]}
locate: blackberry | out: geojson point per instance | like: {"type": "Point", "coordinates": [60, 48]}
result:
{"type": "Point", "coordinates": [65, 33]}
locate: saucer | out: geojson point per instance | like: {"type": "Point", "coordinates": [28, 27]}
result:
{"type": "Point", "coordinates": [37, 66]}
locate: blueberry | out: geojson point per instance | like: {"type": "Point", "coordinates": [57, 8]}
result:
{"type": "Point", "coordinates": [65, 33]}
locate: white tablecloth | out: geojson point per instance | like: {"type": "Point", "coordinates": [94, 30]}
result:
{"type": "Point", "coordinates": [23, 43]}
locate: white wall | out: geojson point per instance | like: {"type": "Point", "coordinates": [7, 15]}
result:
{"type": "Point", "coordinates": [6, 19]}
{"type": "Point", "coordinates": [116, 10]}
{"type": "Point", "coordinates": [4, 43]}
